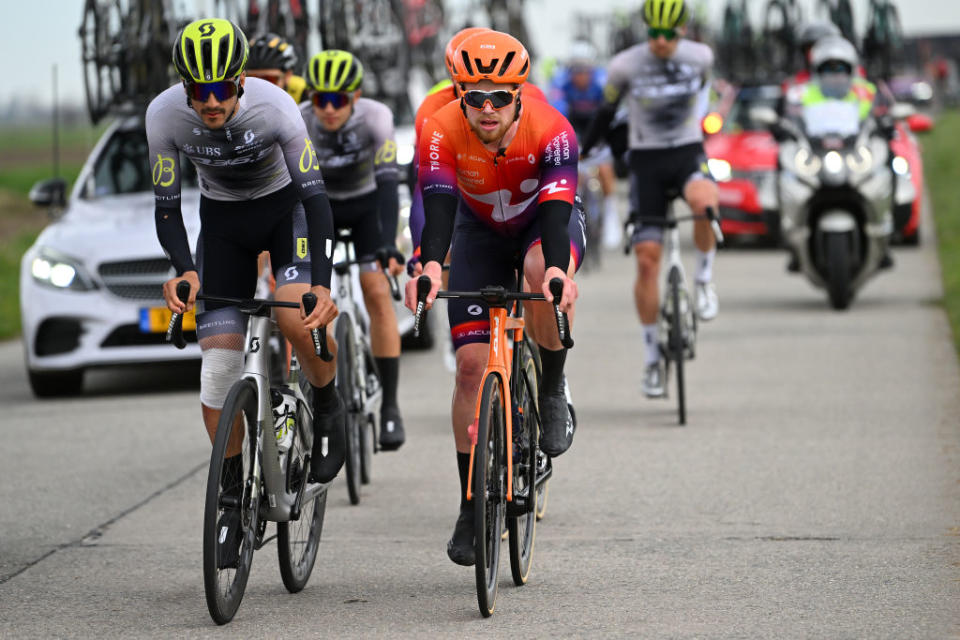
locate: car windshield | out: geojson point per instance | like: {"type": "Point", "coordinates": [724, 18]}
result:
{"type": "Point", "coordinates": [749, 97]}
{"type": "Point", "coordinates": [123, 166]}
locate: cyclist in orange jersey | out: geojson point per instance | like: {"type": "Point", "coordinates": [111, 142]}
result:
{"type": "Point", "coordinates": [499, 177]}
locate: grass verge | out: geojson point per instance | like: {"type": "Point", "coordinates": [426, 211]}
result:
{"type": "Point", "coordinates": [941, 168]}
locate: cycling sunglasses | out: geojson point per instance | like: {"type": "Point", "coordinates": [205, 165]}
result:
{"type": "Point", "coordinates": [497, 99]}
{"type": "Point", "coordinates": [221, 90]}
{"type": "Point", "coordinates": [655, 33]}
{"type": "Point", "coordinates": [338, 99]}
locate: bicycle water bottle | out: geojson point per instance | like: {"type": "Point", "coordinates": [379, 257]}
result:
{"type": "Point", "coordinates": [284, 417]}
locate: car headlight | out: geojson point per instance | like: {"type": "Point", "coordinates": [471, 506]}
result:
{"type": "Point", "coordinates": [806, 164]}
{"type": "Point", "coordinates": [404, 154]}
{"type": "Point", "coordinates": [900, 166]}
{"type": "Point", "coordinates": [860, 161]}
{"type": "Point", "coordinates": [54, 269]}
{"type": "Point", "coordinates": [833, 162]}
{"type": "Point", "coordinates": [719, 169]}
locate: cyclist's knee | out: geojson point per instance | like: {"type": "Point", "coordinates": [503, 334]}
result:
{"type": "Point", "coordinates": [471, 362]}
{"type": "Point", "coordinates": [533, 266]}
{"type": "Point", "coordinates": [648, 258]}
{"type": "Point", "coordinates": [219, 369]}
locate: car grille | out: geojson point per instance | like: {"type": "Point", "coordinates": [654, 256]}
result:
{"type": "Point", "coordinates": [136, 279]}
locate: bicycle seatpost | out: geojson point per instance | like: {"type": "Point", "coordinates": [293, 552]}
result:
{"type": "Point", "coordinates": [319, 335]}
{"type": "Point", "coordinates": [175, 328]}
{"type": "Point", "coordinates": [563, 323]}
{"type": "Point", "coordinates": [424, 284]}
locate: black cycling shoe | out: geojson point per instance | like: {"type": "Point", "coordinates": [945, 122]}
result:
{"type": "Point", "coordinates": [330, 433]}
{"type": "Point", "coordinates": [558, 425]}
{"type": "Point", "coordinates": [460, 546]}
{"type": "Point", "coordinates": [392, 436]}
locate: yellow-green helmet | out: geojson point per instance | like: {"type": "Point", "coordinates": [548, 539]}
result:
{"type": "Point", "coordinates": [665, 14]}
{"type": "Point", "coordinates": [334, 70]}
{"type": "Point", "coordinates": [210, 50]}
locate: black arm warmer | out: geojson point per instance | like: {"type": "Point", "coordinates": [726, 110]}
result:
{"type": "Point", "coordinates": [320, 230]}
{"type": "Point", "coordinates": [598, 127]}
{"type": "Point", "coordinates": [439, 212]}
{"type": "Point", "coordinates": [388, 204]}
{"type": "Point", "coordinates": [554, 216]}
{"type": "Point", "coordinates": [173, 238]}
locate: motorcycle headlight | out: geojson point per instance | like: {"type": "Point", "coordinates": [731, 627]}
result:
{"type": "Point", "coordinates": [404, 154]}
{"type": "Point", "coordinates": [900, 166]}
{"type": "Point", "coordinates": [806, 164]}
{"type": "Point", "coordinates": [719, 169]}
{"type": "Point", "coordinates": [833, 162]}
{"type": "Point", "coordinates": [54, 269]}
{"type": "Point", "coordinates": [860, 161]}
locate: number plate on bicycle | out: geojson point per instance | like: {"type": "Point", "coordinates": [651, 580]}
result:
{"type": "Point", "coordinates": [157, 319]}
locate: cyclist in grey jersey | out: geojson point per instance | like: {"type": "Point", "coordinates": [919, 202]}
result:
{"type": "Point", "coordinates": [666, 83]}
{"type": "Point", "coordinates": [357, 152]}
{"type": "Point", "coordinates": [261, 189]}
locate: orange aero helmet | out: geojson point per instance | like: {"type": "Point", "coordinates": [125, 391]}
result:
{"type": "Point", "coordinates": [491, 55]}
{"type": "Point", "coordinates": [455, 42]}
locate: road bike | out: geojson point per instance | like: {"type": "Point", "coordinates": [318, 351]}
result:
{"type": "Point", "coordinates": [781, 18]}
{"type": "Point", "coordinates": [677, 317]}
{"type": "Point", "coordinates": [358, 380]}
{"type": "Point", "coordinates": [273, 429]}
{"type": "Point", "coordinates": [508, 471]}
{"type": "Point", "coordinates": [883, 38]}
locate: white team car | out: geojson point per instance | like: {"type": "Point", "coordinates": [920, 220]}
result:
{"type": "Point", "coordinates": [90, 286]}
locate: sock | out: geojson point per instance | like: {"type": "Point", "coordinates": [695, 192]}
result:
{"type": "Point", "coordinates": [705, 265]}
{"type": "Point", "coordinates": [463, 466]}
{"type": "Point", "coordinates": [552, 361]}
{"type": "Point", "coordinates": [389, 369]}
{"type": "Point", "coordinates": [651, 346]}
{"type": "Point", "coordinates": [325, 398]}
{"type": "Point", "coordinates": [610, 207]}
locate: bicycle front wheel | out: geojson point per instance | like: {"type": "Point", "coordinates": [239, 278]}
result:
{"type": "Point", "coordinates": [490, 483]}
{"type": "Point", "coordinates": [299, 540]}
{"type": "Point", "coordinates": [230, 519]}
{"type": "Point", "coordinates": [676, 341]}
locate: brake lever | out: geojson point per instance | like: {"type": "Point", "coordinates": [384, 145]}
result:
{"type": "Point", "coordinates": [563, 323]}
{"type": "Point", "coordinates": [175, 328]}
{"type": "Point", "coordinates": [424, 284]}
{"type": "Point", "coordinates": [319, 335]}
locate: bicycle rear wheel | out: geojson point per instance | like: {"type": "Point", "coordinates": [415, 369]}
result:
{"type": "Point", "coordinates": [676, 341]}
{"type": "Point", "coordinates": [299, 540]}
{"type": "Point", "coordinates": [522, 524]}
{"type": "Point", "coordinates": [230, 520]}
{"type": "Point", "coordinates": [490, 481]}
{"type": "Point", "coordinates": [347, 386]}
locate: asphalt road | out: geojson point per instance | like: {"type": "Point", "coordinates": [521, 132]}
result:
{"type": "Point", "coordinates": [814, 493]}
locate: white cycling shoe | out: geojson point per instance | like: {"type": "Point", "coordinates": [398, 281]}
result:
{"type": "Point", "coordinates": [706, 300]}
{"type": "Point", "coordinates": [653, 382]}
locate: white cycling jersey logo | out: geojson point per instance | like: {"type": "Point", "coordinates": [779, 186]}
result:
{"type": "Point", "coordinates": [500, 200]}
{"type": "Point", "coordinates": [291, 273]}
{"type": "Point", "coordinates": [474, 309]}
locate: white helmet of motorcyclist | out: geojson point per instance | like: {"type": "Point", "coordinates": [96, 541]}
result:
{"type": "Point", "coordinates": [834, 60]}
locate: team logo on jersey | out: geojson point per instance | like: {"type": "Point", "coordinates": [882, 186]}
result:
{"type": "Point", "coordinates": [197, 131]}
{"type": "Point", "coordinates": [308, 158]}
{"type": "Point", "coordinates": [532, 159]}
{"type": "Point", "coordinates": [386, 153]}
{"type": "Point", "coordinates": [163, 171]}
{"type": "Point", "coordinates": [611, 93]}
{"type": "Point", "coordinates": [302, 247]}
{"type": "Point", "coordinates": [248, 136]}
{"type": "Point", "coordinates": [474, 309]}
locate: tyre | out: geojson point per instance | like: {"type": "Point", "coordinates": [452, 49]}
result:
{"type": "Point", "coordinates": [542, 458]}
{"type": "Point", "coordinates": [368, 423]}
{"type": "Point", "coordinates": [838, 270]}
{"type": "Point", "coordinates": [676, 341]}
{"type": "Point", "coordinates": [347, 387]}
{"type": "Point", "coordinates": [490, 484]}
{"type": "Point", "coordinates": [522, 524]}
{"type": "Point", "coordinates": [231, 511]}
{"type": "Point", "coordinates": [55, 384]}
{"type": "Point", "coordinates": [299, 540]}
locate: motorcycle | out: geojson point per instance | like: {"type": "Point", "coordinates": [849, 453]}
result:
{"type": "Point", "coordinates": [837, 185]}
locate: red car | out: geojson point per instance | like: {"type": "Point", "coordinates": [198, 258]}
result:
{"type": "Point", "coordinates": [743, 160]}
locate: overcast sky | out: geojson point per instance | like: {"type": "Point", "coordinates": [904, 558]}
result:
{"type": "Point", "coordinates": [35, 34]}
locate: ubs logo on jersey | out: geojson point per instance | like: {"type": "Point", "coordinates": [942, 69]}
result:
{"type": "Point", "coordinates": [191, 149]}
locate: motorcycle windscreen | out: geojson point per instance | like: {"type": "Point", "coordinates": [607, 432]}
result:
{"type": "Point", "coordinates": [832, 118]}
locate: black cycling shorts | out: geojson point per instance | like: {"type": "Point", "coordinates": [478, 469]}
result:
{"type": "Point", "coordinates": [234, 233]}
{"type": "Point", "coordinates": [657, 177]}
{"type": "Point", "coordinates": [480, 257]}
{"type": "Point", "coordinates": [359, 215]}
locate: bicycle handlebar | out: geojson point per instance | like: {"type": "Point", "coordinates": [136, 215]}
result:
{"type": "Point", "coordinates": [250, 306]}
{"type": "Point", "coordinates": [670, 223]}
{"type": "Point", "coordinates": [498, 296]}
